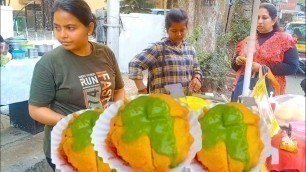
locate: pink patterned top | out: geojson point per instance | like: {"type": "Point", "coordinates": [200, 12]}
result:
{"type": "Point", "coordinates": [271, 51]}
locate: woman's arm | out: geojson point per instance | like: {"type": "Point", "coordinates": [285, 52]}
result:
{"type": "Point", "coordinates": [142, 88]}
{"type": "Point", "coordinates": [142, 62]}
{"type": "Point", "coordinates": [289, 65]}
{"type": "Point", "coordinates": [119, 94]}
{"type": "Point", "coordinates": [196, 83]}
{"type": "Point", "coordinates": [44, 115]}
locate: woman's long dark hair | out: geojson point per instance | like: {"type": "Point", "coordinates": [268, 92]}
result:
{"type": "Point", "coordinates": [272, 13]}
{"type": "Point", "coordinates": [175, 15]}
{"type": "Point", "coordinates": [79, 8]}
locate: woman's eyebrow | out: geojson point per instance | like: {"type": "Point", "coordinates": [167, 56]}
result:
{"type": "Point", "coordinates": [68, 25]}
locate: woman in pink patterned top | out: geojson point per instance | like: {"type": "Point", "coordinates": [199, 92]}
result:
{"type": "Point", "coordinates": [274, 48]}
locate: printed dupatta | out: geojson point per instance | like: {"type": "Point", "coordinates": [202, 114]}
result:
{"type": "Point", "coordinates": [271, 51]}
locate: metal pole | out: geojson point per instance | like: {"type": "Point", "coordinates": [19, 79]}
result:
{"type": "Point", "coordinates": [113, 26]}
{"type": "Point", "coordinates": [34, 11]}
{"type": "Point", "coordinates": [26, 16]}
{"type": "Point", "coordinates": [250, 50]}
{"type": "Point", "coordinates": [165, 7]}
{"type": "Point", "coordinates": [43, 17]}
{"type": "Point", "coordinates": [227, 18]}
{"type": "Point", "coordinates": [35, 27]}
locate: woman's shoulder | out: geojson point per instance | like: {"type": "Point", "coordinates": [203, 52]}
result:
{"type": "Point", "coordinates": [50, 57]}
{"type": "Point", "coordinates": [51, 54]}
{"type": "Point", "coordinates": [283, 35]}
{"type": "Point", "coordinates": [284, 40]}
{"type": "Point", "coordinates": [101, 48]}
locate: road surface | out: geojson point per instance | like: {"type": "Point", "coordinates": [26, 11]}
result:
{"type": "Point", "coordinates": [293, 84]}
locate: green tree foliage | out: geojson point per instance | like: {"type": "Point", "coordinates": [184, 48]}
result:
{"type": "Point", "coordinates": [136, 6]}
{"type": "Point", "coordinates": [240, 25]}
{"type": "Point", "coordinates": [215, 64]}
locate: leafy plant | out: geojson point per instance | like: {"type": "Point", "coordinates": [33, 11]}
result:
{"type": "Point", "coordinates": [214, 65]}
{"type": "Point", "coordinates": [140, 6]}
{"type": "Point", "coordinates": [240, 26]}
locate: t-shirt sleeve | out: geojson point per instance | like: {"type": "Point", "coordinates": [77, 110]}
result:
{"type": "Point", "coordinates": [42, 91]}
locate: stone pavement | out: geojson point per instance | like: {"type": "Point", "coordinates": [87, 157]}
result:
{"type": "Point", "coordinates": [22, 151]}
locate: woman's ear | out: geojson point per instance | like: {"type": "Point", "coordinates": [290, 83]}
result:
{"type": "Point", "coordinates": [274, 21]}
{"type": "Point", "coordinates": [91, 28]}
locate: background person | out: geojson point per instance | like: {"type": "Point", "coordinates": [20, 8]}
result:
{"type": "Point", "coordinates": [77, 75]}
{"type": "Point", "coordinates": [169, 61]}
{"type": "Point", "coordinates": [274, 48]}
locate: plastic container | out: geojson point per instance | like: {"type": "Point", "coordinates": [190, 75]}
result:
{"type": "Point", "coordinates": [18, 54]}
{"type": "Point", "coordinates": [43, 48]}
{"type": "Point", "coordinates": [25, 47]}
{"type": "Point", "coordinates": [32, 52]}
{"type": "Point", "coordinates": [15, 43]}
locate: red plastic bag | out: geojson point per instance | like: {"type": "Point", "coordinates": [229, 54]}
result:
{"type": "Point", "coordinates": [287, 160]}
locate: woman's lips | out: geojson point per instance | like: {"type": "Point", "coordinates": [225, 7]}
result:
{"type": "Point", "coordinates": [65, 43]}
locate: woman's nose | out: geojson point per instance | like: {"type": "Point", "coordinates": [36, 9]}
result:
{"type": "Point", "coordinates": [63, 33]}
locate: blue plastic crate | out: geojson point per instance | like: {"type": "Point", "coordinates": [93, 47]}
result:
{"type": "Point", "coordinates": [18, 54]}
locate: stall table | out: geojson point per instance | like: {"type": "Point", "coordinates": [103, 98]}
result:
{"type": "Point", "coordinates": [16, 78]}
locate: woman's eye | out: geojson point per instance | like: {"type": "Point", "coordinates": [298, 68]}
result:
{"type": "Point", "coordinates": [56, 28]}
{"type": "Point", "coordinates": [71, 28]}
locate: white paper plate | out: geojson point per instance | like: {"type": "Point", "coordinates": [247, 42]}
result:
{"type": "Point", "coordinates": [266, 152]}
{"type": "Point", "coordinates": [102, 127]}
{"type": "Point", "coordinates": [56, 138]}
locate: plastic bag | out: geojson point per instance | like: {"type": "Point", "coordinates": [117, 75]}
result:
{"type": "Point", "coordinates": [289, 108]}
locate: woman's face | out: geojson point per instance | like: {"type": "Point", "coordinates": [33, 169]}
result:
{"type": "Point", "coordinates": [265, 22]}
{"type": "Point", "coordinates": [177, 32]}
{"type": "Point", "coordinates": [70, 32]}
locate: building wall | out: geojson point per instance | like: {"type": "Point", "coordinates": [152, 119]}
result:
{"type": "Point", "coordinates": [93, 4]}
{"type": "Point", "coordinates": [290, 5]}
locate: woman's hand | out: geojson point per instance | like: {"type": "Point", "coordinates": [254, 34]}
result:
{"type": "Point", "coordinates": [240, 60]}
{"type": "Point", "coordinates": [142, 89]}
{"type": "Point", "coordinates": [195, 84]}
{"type": "Point", "coordinates": [255, 67]}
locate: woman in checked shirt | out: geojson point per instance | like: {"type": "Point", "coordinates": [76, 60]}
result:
{"type": "Point", "coordinates": [170, 61]}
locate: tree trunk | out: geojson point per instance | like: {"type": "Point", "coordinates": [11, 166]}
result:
{"type": "Point", "coordinates": [210, 19]}
{"type": "Point", "coordinates": [47, 7]}
{"type": "Point", "coordinates": [189, 7]}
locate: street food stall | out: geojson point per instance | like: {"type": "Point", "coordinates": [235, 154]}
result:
{"type": "Point", "coordinates": [159, 132]}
